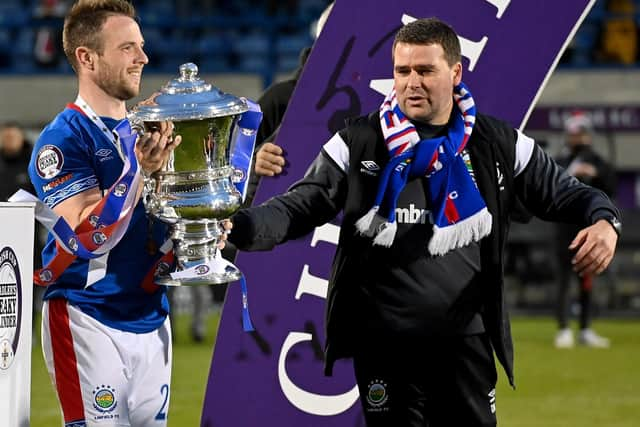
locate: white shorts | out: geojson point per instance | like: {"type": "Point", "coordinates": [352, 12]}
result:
{"type": "Point", "coordinates": [104, 376]}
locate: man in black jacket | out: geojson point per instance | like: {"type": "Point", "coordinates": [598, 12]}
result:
{"type": "Point", "coordinates": [426, 186]}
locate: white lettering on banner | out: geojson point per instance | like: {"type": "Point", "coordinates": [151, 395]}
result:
{"type": "Point", "coordinates": [309, 284]}
{"type": "Point", "coordinates": [382, 86]}
{"type": "Point", "coordinates": [469, 49]}
{"type": "Point", "coordinates": [502, 5]}
{"type": "Point", "coordinates": [316, 404]}
{"type": "Point", "coordinates": [472, 50]}
{"type": "Point", "coordinates": [326, 233]}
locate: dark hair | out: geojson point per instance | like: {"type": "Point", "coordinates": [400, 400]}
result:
{"type": "Point", "coordinates": [84, 22]}
{"type": "Point", "coordinates": [10, 124]}
{"type": "Point", "coordinates": [428, 31]}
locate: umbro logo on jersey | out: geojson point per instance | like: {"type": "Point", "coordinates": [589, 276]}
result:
{"type": "Point", "coordinates": [104, 154]}
{"type": "Point", "coordinates": [369, 167]}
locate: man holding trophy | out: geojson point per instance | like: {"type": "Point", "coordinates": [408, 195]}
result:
{"type": "Point", "coordinates": [109, 195]}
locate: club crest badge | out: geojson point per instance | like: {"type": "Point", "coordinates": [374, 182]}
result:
{"type": "Point", "coordinates": [120, 190]}
{"type": "Point", "coordinates": [49, 161]}
{"type": "Point", "coordinates": [73, 244]}
{"type": "Point", "coordinates": [377, 395]}
{"type": "Point", "coordinates": [104, 398]}
{"type": "Point", "coordinates": [45, 275]}
{"type": "Point", "coordinates": [202, 269]}
{"type": "Point", "coordinates": [99, 238]}
{"type": "Point", "coordinates": [93, 220]}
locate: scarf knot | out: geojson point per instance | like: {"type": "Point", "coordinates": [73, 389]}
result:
{"type": "Point", "coordinates": [458, 212]}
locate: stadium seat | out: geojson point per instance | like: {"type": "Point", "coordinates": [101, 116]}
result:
{"type": "Point", "coordinates": [287, 63]}
{"type": "Point", "coordinates": [214, 64]}
{"type": "Point", "coordinates": [619, 40]}
{"type": "Point", "coordinates": [22, 59]}
{"type": "Point", "coordinates": [256, 43]}
{"type": "Point", "coordinates": [13, 14]}
{"type": "Point", "coordinates": [254, 64]}
{"type": "Point", "coordinates": [292, 43]}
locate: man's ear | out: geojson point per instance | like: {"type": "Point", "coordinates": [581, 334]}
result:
{"type": "Point", "coordinates": [457, 73]}
{"type": "Point", "coordinates": [85, 58]}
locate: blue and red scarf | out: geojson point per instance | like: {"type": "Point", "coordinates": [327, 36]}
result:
{"type": "Point", "coordinates": [458, 212]}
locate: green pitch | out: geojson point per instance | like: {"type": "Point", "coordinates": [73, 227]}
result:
{"type": "Point", "coordinates": [555, 388]}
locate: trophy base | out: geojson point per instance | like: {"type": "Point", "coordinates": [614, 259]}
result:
{"type": "Point", "coordinates": [230, 275]}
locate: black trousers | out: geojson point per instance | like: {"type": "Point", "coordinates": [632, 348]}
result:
{"type": "Point", "coordinates": [446, 382]}
{"type": "Point", "coordinates": [566, 278]}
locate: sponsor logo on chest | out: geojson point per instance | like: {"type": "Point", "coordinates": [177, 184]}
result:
{"type": "Point", "coordinates": [412, 215]}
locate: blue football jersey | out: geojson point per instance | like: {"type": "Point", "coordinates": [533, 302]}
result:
{"type": "Point", "coordinates": [71, 156]}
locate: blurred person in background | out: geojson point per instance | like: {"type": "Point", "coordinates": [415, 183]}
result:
{"type": "Point", "coordinates": [105, 328]}
{"type": "Point", "coordinates": [582, 162]}
{"type": "Point", "coordinates": [15, 152]}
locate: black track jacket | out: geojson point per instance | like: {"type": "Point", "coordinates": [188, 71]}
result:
{"type": "Point", "coordinates": [507, 165]}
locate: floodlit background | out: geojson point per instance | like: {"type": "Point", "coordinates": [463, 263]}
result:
{"type": "Point", "coordinates": [242, 46]}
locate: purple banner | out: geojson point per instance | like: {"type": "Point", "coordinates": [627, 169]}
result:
{"type": "Point", "coordinates": [613, 118]}
{"type": "Point", "coordinates": [275, 376]}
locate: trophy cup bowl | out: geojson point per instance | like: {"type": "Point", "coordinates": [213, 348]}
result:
{"type": "Point", "coordinates": [194, 191]}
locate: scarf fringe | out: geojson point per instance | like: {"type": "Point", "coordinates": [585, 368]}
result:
{"type": "Point", "coordinates": [365, 225]}
{"type": "Point", "coordinates": [461, 233]}
{"type": "Point", "coordinates": [386, 235]}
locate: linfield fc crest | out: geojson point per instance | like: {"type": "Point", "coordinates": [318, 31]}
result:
{"type": "Point", "coordinates": [377, 395]}
{"type": "Point", "coordinates": [104, 398]}
{"type": "Point", "coordinates": [49, 161]}
{"type": "Point", "coordinates": [10, 307]}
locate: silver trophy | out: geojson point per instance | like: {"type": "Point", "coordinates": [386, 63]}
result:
{"type": "Point", "coordinates": [195, 190]}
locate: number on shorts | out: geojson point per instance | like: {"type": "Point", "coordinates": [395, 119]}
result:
{"type": "Point", "coordinates": [162, 413]}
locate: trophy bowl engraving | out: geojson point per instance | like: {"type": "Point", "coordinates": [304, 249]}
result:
{"type": "Point", "coordinates": [194, 191]}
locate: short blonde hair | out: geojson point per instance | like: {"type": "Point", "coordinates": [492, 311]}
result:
{"type": "Point", "coordinates": [84, 22]}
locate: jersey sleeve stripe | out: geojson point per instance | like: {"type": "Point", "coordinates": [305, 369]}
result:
{"type": "Point", "coordinates": [337, 149]}
{"type": "Point", "coordinates": [524, 149]}
{"type": "Point", "coordinates": [71, 190]}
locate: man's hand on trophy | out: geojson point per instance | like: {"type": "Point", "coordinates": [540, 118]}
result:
{"type": "Point", "coordinates": [151, 100]}
{"type": "Point", "coordinates": [153, 148]}
{"type": "Point", "coordinates": [270, 160]}
{"type": "Point", "coordinates": [226, 226]}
